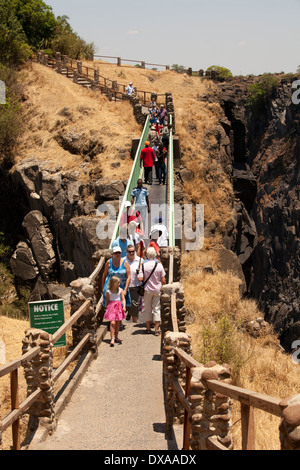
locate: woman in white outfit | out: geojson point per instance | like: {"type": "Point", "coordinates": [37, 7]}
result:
{"type": "Point", "coordinates": [153, 275]}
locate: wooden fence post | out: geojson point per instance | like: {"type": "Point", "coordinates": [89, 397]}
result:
{"type": "Point", "coordinates": [173, 369]}
{"type": "Point", "coordinates": [248, 427]}
{"type": "Point", "coordinates": [211, 412]}
{"type": "Point", "coordinates": [38, 375]}
{"type": "Point", "coordinates": [83, 290]}
{"type": "Point", "coordinates": [290, 423]}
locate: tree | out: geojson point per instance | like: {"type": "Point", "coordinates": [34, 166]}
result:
{"type": "Point", "coordinates": [223, 72]}
{"type": "Point", "coordinates": [261, 92]}
{"type": "Point", "coordinates": [67, 42]}
{"type": "Point", "coordinates": [37, 20]}
{"type": "Point", "coordinates": [13, 45]}
{"type": "Point", "coordinates": [178, 68]}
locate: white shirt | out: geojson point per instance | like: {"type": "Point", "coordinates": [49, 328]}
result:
{"type": "Point", "coordinates": [115, 296]}
{"type": "Point", "coordinates": [134, 269]}
{"type": "Point", "coordinates": [163, 239]}
{"type": "Point", "coordinates": [130, 90]}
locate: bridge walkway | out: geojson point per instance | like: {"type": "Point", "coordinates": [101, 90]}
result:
{"type": "Point", "coordinates": [119, 404]}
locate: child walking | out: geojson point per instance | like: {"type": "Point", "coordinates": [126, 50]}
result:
{"type": "Point", "coordinates": [115, 310]}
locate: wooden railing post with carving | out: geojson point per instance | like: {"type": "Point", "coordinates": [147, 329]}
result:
{"type": "Point", "coordinates": [174, 372]}
{"type": "Point", "coordinates": [210, 411]}
{"type": "Point", "coordinates": [38, 374]}
{"type": "Point", "coordinates": [290, 423]}
{"type": "Point", "coordinates": [82, 290]}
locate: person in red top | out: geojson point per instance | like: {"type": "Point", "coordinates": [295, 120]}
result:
{"type": "Point", "coordinates": [130, 215]}
{"type": "Point", "coordinates": [147, 160]}
{"type": "Point", "coordinates": [154, 235]}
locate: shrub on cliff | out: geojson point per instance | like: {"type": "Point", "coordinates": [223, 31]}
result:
{"type": "Point", "coordinates": [223, 72]}
{"type": "Point", "coordinates": [260, 93]}
{"type": "Point", "coordinates": [10, 115]}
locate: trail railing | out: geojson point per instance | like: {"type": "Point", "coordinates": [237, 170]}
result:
{"type": "Point", "coordinates": [91, 77]}
{"type": "Point", "coordinates": [201, 397]}
{"type": "Point", "coordinates": [37, 358]}
{"type": "Point", "coordinates": [139, 62]}
{"type": "Point", "coordinates": [12, 368]}
{"type": "Point", "coordinates": [36, 353]}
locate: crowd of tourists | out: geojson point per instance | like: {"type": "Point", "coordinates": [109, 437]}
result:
{"type": "Point", "coordinates": [133, 276]}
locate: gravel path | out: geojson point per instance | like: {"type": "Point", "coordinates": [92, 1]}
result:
{"type": "Point", "coordinates": [119, 404]}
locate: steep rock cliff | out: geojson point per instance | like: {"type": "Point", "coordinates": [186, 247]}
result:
{"type": "Point", "coordinates": [266, 176]}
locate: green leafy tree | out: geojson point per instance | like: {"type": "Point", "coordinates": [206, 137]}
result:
{"type": "Point", "coordinates": [67, 42]}
{"type": "Point", "coordinates": [37, 20]}
{"type": "Point", "coordinates": [223, 72]}
{"type": "Point", "coordinates": [261, 92]}
{"type": "Point", "coordinates": [178, 68]}
{"type": "Point", "coordinates": [13, 43]}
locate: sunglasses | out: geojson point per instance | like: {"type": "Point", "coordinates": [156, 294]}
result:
{"type": "Point", "coordinates": [131, 252]}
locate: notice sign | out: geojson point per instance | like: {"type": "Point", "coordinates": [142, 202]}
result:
{"type": "Point", "coordinates": [48, 315]}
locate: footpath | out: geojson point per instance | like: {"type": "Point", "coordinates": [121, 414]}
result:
{"type": "Point", "coordinates": [119, 404]}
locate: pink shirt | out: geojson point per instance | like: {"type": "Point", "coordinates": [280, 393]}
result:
{"type": "Point", "coordinates": [154, 283]}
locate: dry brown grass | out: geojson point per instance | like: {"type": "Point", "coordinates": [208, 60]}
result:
{"type": "Point", "coordinates": [48, 93]}
{"type": "Point", "coordinates": [266, 368]}
{"type": "Point", "coordinates": [12, 332]}
{"type": "Point", "coordinates": [195, 121]}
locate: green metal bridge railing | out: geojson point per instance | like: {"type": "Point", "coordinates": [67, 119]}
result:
{"type": "Point", "coordinates": [171, 189]}
{"type": "Point", "coordinates": [137, 172]}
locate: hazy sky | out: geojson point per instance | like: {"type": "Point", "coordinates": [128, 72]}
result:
{"type": "Point", "coordinates": [248, 37]}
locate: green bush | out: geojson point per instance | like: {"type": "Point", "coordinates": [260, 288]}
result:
{"type": "Point", "coordinates": [223, 72]}
{"type": "Point", "coordinates": [10, 113]}
{"type": "Point", "coordinates": [221, 342]}
{"type": "Point", "coordinates": [14, 48]}
{"type": "Point", "coordinates": [261, 92]}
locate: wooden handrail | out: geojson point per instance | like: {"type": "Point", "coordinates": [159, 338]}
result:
{"type": "Point", "coordinates": [12, 419]}
{"type": "Point", "coordinates": [13, 365]}
{"type": "Point", "coordinates": [247, 397]}
{"type": "Point", "coordinates": [52, 63]}
{"type": "Point", "coordinates": [73, 319]}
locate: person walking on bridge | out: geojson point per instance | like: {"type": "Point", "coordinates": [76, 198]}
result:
{"type": "Point", "coordinates": [117, 266]}
{"type": "Point", "coordinates": [153, 275]}
{"type": "Point", "coordinates": [115, 310]}
{"type": "Point", "coordinates": [140, 195]}
{"type": "Point", "coordinates": [147, 160]}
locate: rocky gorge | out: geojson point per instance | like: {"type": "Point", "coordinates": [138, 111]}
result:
{"type": "Point", "coordinates": [260, 154]}
{"type": "Point", "coordinates": [264, 148]}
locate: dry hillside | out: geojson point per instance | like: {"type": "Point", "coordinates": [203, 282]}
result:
{"type": "Point", "coordinates": [54, 103]}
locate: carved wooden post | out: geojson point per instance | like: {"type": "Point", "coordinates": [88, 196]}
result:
{"type": "Point", "coordinates": [96, 77]}
{"type": "Point", "coordinates": [174, 369]}
{"type": "Point", "coordinates": [82, 290]}
{"type": "Point", "coordinates": [290, 423]}
{"type": "Point", "coordinates": [38, 375]}
{"type": "Point", "coordinates": [211, 412]}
